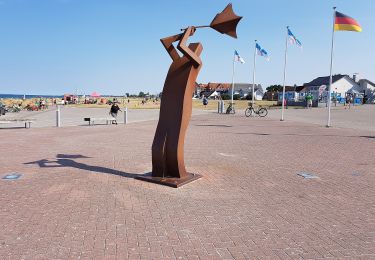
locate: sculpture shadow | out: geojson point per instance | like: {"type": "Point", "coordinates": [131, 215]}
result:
{"type": "Point", "coordinates": [216, 125]}
{"type": "Point", "coordinates": [66, 160]}
{"type": "Point", "coordinates": [12, 128]}
{"type": "Point", "coordinates": [368, 136]}
{"type": "Point", "coordinates": [253, 133]}
{"type": "Point", "coordinates": [307, 135]}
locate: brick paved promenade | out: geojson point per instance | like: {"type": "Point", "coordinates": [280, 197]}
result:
{"type": "Point", "coordinates": [78, 198]}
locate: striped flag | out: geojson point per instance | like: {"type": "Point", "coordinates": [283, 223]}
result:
{"type": "Point", "coordinates": [341, 22]}
{"type": "Point", "coordinates": [293, 39]}
{"type": "Point", "coordinates": [237, 57]}
{"type": "Point", "coordinates": [346, 23]}
{"type": "Point", "coordinates": [262, 52]}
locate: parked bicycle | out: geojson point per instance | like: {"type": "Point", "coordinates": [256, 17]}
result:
{"type": "Point", "coordinates": [261, 111]}
{"type": "Point", "coordinates": [230, 109]}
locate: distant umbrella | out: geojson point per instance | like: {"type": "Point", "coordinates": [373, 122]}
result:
{"type": "Point", "coordinates": [95, 94]}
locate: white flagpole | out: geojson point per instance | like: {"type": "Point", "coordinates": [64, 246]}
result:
{"type": "Point", "coordinates": [252, 89]}
{"type": "Point", "coordinates": [234, 57]}
{"type": "Point", "coordinates": [285, 61]}
{"type": "Point", "coordinates": [330, 71]}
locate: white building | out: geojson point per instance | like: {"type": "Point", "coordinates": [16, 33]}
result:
{"type": "Point", "coordinates": [292, 93]}
{"type": "Point", "coordinates": [245, 89]}
{"type": "Point", "coordinates": [341, 85]}
{"type": "Point", "coordinates": [368, 89]}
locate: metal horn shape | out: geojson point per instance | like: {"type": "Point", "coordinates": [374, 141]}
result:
{"type": "Point", "coordinates": [226, 22]}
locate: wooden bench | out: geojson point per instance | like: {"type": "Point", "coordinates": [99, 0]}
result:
{"type": "Point", "coordinates": [92, 120]}
{"type": "Point", "coordinates": [10, 121]}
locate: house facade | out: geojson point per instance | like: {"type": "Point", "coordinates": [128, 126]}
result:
{"type": "Point", "coordinates": [368, 89]}
{"type": "Point", "coordinates": [341, 86]}
{"type": "Point", "coordinates": [242, 89]}
{"type": "Point", "coordinates": [363, 90]}
{"type": "Point", "coordinates": [292, 93]}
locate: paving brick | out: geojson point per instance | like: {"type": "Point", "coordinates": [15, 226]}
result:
{"type": "Point", "coordinates": [80, 199]}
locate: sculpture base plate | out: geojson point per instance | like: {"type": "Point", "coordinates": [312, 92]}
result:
{"type": "Point", "coordinates": [171, 182]}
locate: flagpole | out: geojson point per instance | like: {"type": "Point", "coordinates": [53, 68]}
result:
{"type": "Point", "coordinates": [234, 57]}
{"type": "Point", "coordinates": [285, 61]}
{"type": "Point", "coordinates": [330, 71]}
{"type": "Point", "coordinates": [255, 51]}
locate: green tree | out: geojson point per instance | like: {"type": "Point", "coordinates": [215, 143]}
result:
{"type": "Point", "coordinates": [274, 88]}
{"type": "Point", "coordinates": [225, 96]}
{"type": "Point", "coordinates": [249, 96]}
{"type": "Point", "coordinates": [141, 94]}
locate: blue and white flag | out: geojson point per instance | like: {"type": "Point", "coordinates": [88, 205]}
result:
{"type": "Point", "coordinates": [262, 52]}
{"type": "Point", "coordinates": [293, 39]}
{"type": "Point", "coordinates": [237, 57]}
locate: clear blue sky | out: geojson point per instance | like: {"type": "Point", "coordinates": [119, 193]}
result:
{"type": "Point", "coordinates": [112, 46]}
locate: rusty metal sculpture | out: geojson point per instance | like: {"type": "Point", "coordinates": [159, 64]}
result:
{"type": "Point", "coordinates": [168, 166]}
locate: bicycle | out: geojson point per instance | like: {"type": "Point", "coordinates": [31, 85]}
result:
{"type": "Point", "coordinates": [262, 111]}
{"type": "Point", "coordinates": [230, 109]}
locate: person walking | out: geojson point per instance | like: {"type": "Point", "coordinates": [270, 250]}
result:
{"type": "Point", "coordinates": [349, 99]}
{"type": "Point", "coordinates": [309, 99]}
{"type": "Point", "coordinates": [205, 101]}
{"type": "Point", "coordinates": [285, 103]}
{"type": "Point", "coordinates": [334, 98]}
{"type": "Point", "coordinates": [114, 110]}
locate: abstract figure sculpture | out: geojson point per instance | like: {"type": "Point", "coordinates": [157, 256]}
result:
{"type": "Point", "coordinates": [168, 167]}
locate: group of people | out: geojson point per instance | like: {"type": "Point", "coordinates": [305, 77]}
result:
{"type": "Point", "coordinates": [42, 104]}
{"type": "Point", "coordinates": [348, 101]}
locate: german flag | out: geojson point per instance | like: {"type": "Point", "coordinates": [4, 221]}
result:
{"type": "Point", "coordinates": [346, 23]}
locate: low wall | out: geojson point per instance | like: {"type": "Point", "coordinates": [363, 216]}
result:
{"type": "Point", "coordinates": [299, 103]}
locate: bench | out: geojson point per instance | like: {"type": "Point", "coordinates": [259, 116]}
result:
{"type": "Point", "coordinates": [92, 120]}
{"type": "Point", "coordinates": [10, 121]}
